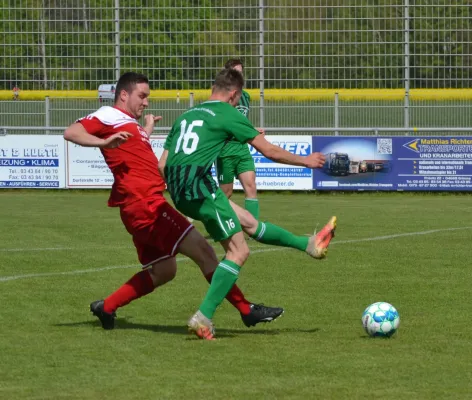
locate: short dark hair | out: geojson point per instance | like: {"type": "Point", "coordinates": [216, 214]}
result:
{"type": "Point", "coordinates": [234, 62]}
{"type": "Point", "coordinates": [229, 79]}
{"type": "Point", "coordinates": [128, 82]}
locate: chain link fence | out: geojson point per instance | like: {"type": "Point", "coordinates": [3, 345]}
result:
{"type": "Point", "coordinates": [300, 47]}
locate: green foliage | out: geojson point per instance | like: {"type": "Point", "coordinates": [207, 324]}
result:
{"type": "Point", "coordinates": [70, 44]}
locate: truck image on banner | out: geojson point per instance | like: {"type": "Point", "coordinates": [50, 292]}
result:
{"type": "Point", "coordinates": [337, 164]}
{"type": "Point", "coordinates": [354, 163]}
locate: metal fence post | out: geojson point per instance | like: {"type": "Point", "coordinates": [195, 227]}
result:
{"type": "Point", "coordinates": [47, 114]}
{"type": "Point", "coordinates": [261, 63]}
{"type": "Point", "coordinates": [336, 113]}
{"type": "Point", "coordinates": [192, 100]}
{"type": "Point", "coordinates": [406, 111]}
{"type": "Point", "coordinates": [406, 114]}
{"type": "Point", "coordinates": [117, 41]}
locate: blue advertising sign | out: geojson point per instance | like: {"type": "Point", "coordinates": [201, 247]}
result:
{"type": "Point", "coordinates": [274, 176]}
{"type": "Point", "coordinates": [394, 163]}
{"type": "Point", "coordinates": [32, 161]}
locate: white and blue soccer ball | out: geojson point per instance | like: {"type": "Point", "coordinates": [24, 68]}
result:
{"type": "Point", "coordinates": [380, 319]}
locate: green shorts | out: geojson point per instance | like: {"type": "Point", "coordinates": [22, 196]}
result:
{"type": "Point", "coordinates": [217, 215]}
{"type": "Point", "coordinates": [231, 166]}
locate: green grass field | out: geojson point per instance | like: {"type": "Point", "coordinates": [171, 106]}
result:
{"type": "Point", "coordinates": [61, 250]}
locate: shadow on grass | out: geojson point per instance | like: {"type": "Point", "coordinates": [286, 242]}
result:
{"type": "Point", "coordinates": [121, 324]}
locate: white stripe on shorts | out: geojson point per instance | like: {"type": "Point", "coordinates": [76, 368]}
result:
{"type": "Point", "coordinates": [221, 223]}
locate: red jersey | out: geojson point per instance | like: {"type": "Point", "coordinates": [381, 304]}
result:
{"type": "Point", "coordinates": [133, 164]}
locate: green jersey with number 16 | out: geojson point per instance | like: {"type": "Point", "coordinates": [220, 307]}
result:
{"type": "Point", "coordinates": [194, 142]}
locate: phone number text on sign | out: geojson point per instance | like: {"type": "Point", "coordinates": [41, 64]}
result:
{"type": "Point", "coordinates": [31, 161]}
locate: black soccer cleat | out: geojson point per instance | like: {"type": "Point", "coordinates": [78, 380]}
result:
{"type": "Point", "coordinates": [107, 319]}
{"type": "Point", "coordinates": [261, 313]}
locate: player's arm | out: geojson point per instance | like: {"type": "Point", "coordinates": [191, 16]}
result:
{"type": "Point", "coordinates": [277, 154]}
{"type": "Point", "coordinates": [167, 146]}
{"type": "Point", "coordinates": [149, 122]}
{"type": "Point", "coordinates": [76, 133]}
{"type": "Point", "coordinates": [162, 163]}
{"type": "Point", "coordinates": [242, 130]}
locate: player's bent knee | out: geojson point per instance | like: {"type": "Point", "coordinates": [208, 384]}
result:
{"type": "Point", "coordinates": [196, 247]}
{"type": "Point", "coordinates": [245, 253]}
{"type": "Point", "coordinates": [248, 222]}
{"type": "Point", "coordinates": [227, 189]}
{"type": "Point", "coordinates": [163, 272]}
{"type": "Point", "coordinates": [237, 250]}
{"type": "Point", "coordinates": [240, 257]}
{"type": "Point", "coordinates": [248, 181]}
{"type": "Point", "coordinates": [210, 253]}
{"type": "Point", "coordinates": [250, 189]}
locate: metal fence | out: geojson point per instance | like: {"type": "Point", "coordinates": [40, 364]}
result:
{"type": "Point", "coordinates": [78, 44]}
{"type": "Point", "coordinates": [282, 116]}
{"type": "Point", "coordinates": [285, 44]}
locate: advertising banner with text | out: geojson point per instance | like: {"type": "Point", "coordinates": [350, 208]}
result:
{"type": "Point", "coordinates": [32, 161]}
{"type": "Point", "coordinates": [352, 163]}
{"type": "Point", "coordinates": [273, 176]}
{"type": "Point", "coordinates": [86, 167]}
{"type": "Point", "coordinates": [394, 163]}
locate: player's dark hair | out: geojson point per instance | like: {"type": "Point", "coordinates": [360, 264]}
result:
{"type": "Point", "coordinates": [128, 82]}
{"type": "Point", "coordinates": [234, 62]}
{"type": "Point", "coordinates": [229, 79]}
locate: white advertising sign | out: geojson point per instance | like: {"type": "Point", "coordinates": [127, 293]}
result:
{"type": "Point", "coordinates": [86, 167]}
{"type": "Point", "coordinates": [32, 161]}
{"type": "Point", "coordinates": [273, 176]}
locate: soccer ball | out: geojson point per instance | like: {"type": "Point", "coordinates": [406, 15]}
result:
{"type": "Point", "coordinates": [380, 319]}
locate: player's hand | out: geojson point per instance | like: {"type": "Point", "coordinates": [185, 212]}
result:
{"type": "Point", "coordinates": [315, 160]}
{"type": "Point", "coordinates": [116, 140]}
{"type": "Point", "coordinates": [150, 119]}
{"type": "Point", "coordinates": [261, 131]}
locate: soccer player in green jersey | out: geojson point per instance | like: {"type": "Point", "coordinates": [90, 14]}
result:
{"type": "Point", "coordinates": [235, 160]}
{"type": "Point", "coordinates": [192, 146]}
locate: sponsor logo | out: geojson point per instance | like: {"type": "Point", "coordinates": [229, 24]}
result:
{"type": "Point", "coordinates": [412, 145]}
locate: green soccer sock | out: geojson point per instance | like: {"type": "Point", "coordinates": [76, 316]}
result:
{"type": "Point", "coordinates": [252, 205]}
{"type": "Point", "coordinates": [225, 276]}
{"type": "Point", "coordinates": [268, 233]}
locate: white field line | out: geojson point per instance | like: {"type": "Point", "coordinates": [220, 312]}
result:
{"type": "Point", "coordinates": [18, 250]}
{"type": "Point", "coordinates": [261, 250]}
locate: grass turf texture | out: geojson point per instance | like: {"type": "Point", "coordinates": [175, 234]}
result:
{"type": "Point", "coordinates": [52, 348]}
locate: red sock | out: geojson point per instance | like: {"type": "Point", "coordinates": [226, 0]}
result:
{"type": "Point", "coordinates": [139, 285]}
{"type": "Point", "coordinates": [235, 297]}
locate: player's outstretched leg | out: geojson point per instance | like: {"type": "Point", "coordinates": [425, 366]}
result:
{"type": "Point", "coordinates": [140, 284]}
{"type": "Point", "coordinates": [201, 326]}
{"type": "Point", "coordinates": [248, 181]}
{"type": "Point", "coordinates": [319, 242]}
{"type": "Point", "coordinates": [199, 250]}
{"type": "Point", "coordinates": [225, 276]}
{"type": "Point", "coordinates": [107, 319]}
{"type": "Point", "coordinates": [267, 233]}
{"type": "Point", "coordinates": [261, 313]}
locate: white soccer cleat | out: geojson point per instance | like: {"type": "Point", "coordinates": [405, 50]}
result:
{"type": "Point", "coordinates": [201, 326]}
{"type": "Point", "coordinates": [318, 243]}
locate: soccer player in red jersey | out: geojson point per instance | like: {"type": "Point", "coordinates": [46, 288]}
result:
{"type": "Point", "coordinates": [159, 231]}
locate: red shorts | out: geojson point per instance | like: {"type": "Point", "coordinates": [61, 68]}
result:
{"type": "Point", "coordinates": [156, 227]}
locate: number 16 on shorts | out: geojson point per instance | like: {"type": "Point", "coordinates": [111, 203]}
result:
{"type": "Point", "coordinates": [230, 224]}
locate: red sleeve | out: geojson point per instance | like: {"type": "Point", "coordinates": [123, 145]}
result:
{"type": "Point", "coordinates": [94, 126]}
